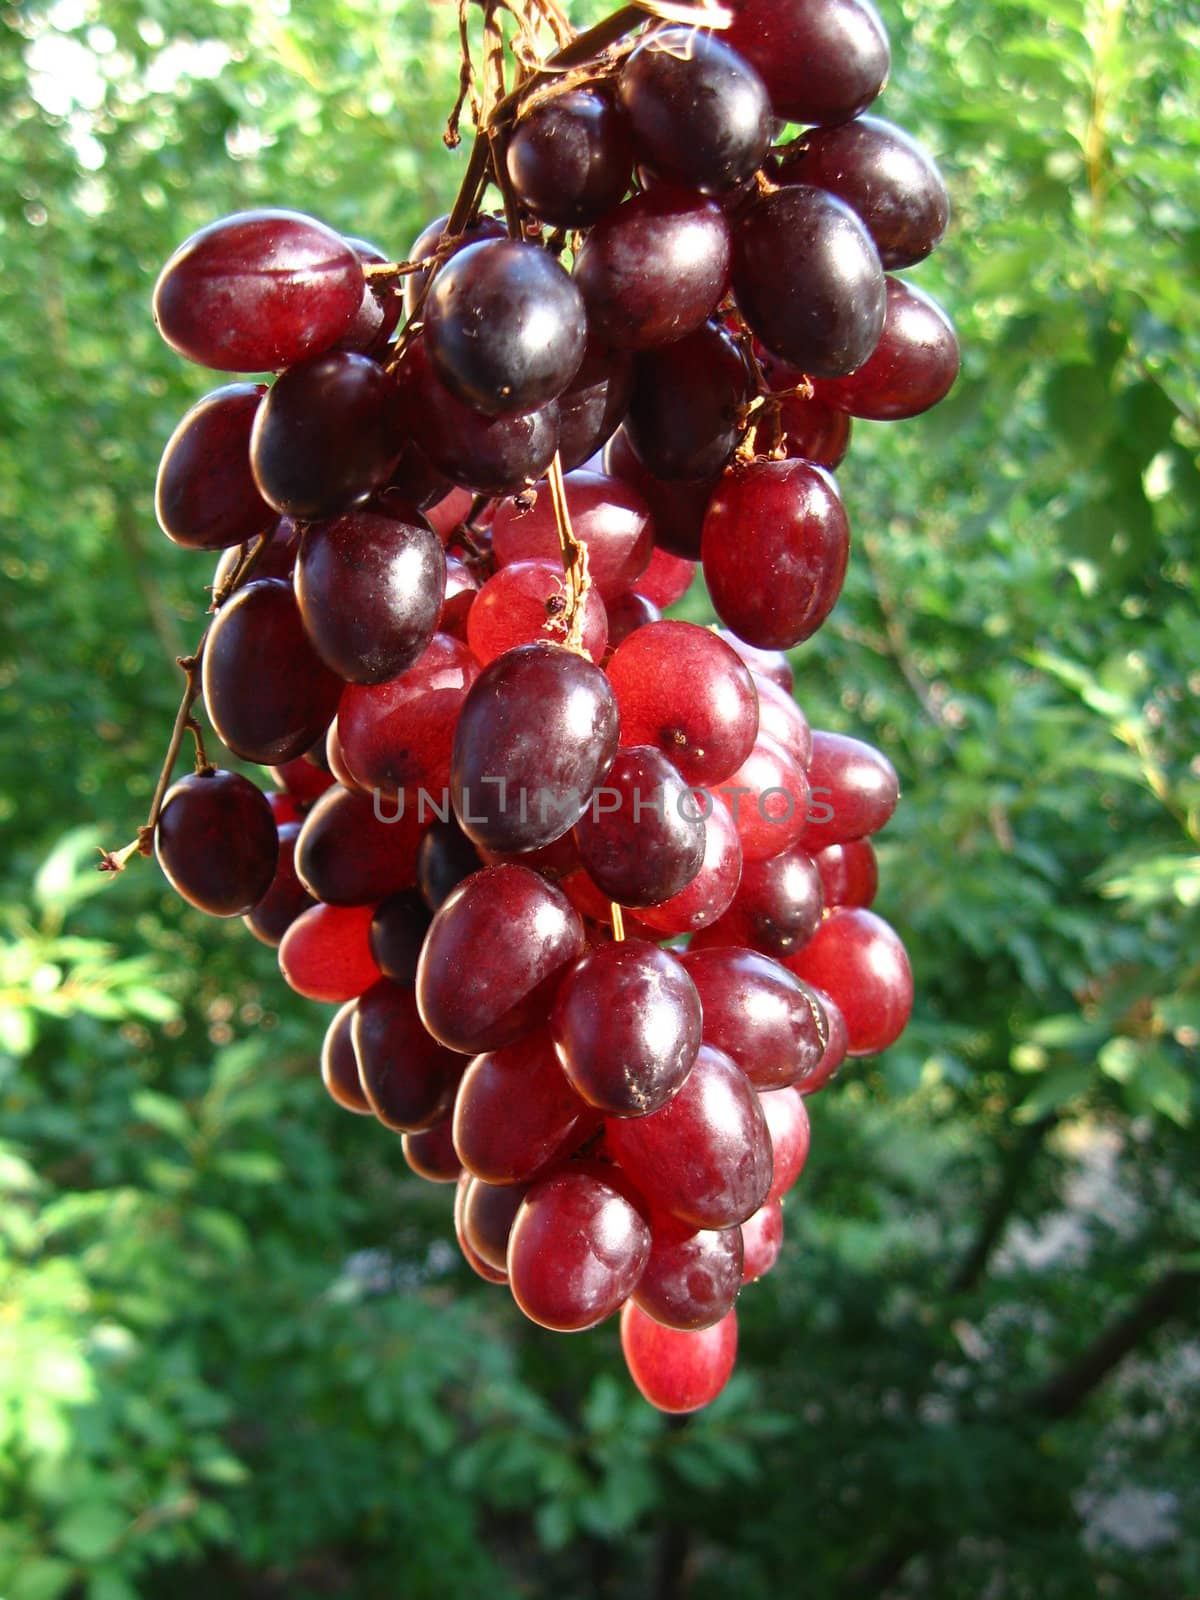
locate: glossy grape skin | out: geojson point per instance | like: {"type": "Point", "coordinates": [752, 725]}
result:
{"type": "Point", "coordinates": [854, 790]}
{"type": "Point", "coordinates": [493, 958]}
{"type": "Point", "coordinates": [515, 1113]}
{"type": "Point", "coordinates": [592, 405]}
{"type": "Point", "coordinates": [524, 603]}
{"type": "Point", "coordinates": [339, 1064]}
{"type": "Point", "coordinates": [678, 508]}
{"type": "Point", "coordinates": [607, 515]}
{"type": "Point", "coordinates": [756, 1011]}
{"type": "Point", "coordinates": [835, 1049]}
{"type": "Point", "coordinates": [287, 897]}
{"type": "Point", "coordinates": [770, 664]}
{"type": "Point", "coordinates": [477, 1264]}
{"type": "Point", "coordinates": [768, 798]}
{"type": "Point", "coordinates": [692, 1277]}
{"type": "Point", "coordinates": [398, 735]}
{"type": "Point", "coordinates": [667, 579]}
{"type": "Point", "coordinates": [678, 1370]}
{"type": "Point", "coordinates": [858, 959]}
{"type": "Point", "coordinates": [775, 548]}
{"type": "Point", "coordinates": [791, 1134]}
{"type": "Point", "coordinates": [268, 695]}
{"type": "Point", "coordinates": [911, 369]}
{"type": "Point", "coordinates": [698, 112]}
{"type": "Point", "coordinates": [681, 688]}
{"type": "Point", "coordinates": [445, 857]}
{"type": "Point", "coordinates": [654, 268]}
{"type": "Point", "coordinates": [217, 842]}
{"type": "Point", "coordinates": [781, 718]}
{"type": "Point", "coordinates": [570, 158]}
{"type": "Point", "coordinates": [883, 174]}
{"type": "Point", "coordinates": [823, 61]}
{"type": "Point", "coordinates": [711, 891]}
{"type": "Point", "coordinates": [825, 315]}
{"type": "Point", "coordinates": [370, 591]}
{"type": "Point", "coordinates": [778, 905]}
{"type": "Point", "coordinates": [257, 291]}
{"type": "Point", "coordinates": [378, 311]}
{"type": "Point", "coordinates": [205, 497]}
{"type": "Point", "coordinates": [705, 1156]}
{"type": "Point", "coordinates": [685, 415]}
{"type": "Point", "coordinates": [409, 1079]}
{"type": "Point", "coordinates": [577, 1248]}
{"type": "Point", "coordinates": [325, 435]}
{"type": "Point", "coordinates": [488, 1212]}
{"type": "Point", "coordinates": [430, 1153]}
{"type": "Point", "coordinates": [626, 1026]}
{"type": "Point", "coordinates": [326, 953]}
{"type": "Point", "coordinates": [432, 239]}
{"type": "Point", "coordinates": [641, 838]}
{"type": "Point", "coordinates": [397, 933]}
{"type": "Point", "coordinates": [849, 873]}
{"type": "Point", "coordinates": [535, 733]}
{"type": "Point", "coordinates": [627, 613]}
{"type": "Point", "coordinates": [762, 1240]}
{"type": "Point", "coordinates": [505, 327]}
{"type": "Point", "coordinates": [811, 430]}
{"type": "Point", "coordinates": [462, 586]}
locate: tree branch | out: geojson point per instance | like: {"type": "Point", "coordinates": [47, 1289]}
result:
{"type": "Point", "coordinates": [995, 1218]}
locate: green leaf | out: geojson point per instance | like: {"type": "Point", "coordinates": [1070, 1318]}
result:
{"type": "Point", "coordinates": [1054, 1091]}
{"type": "Point", "coordinates": [69, 873]}
{"type": "Point", "coordinates": [163, 1113]}
{"type": "Point", "coordinates": [92, 1530]}
{"type": "Point", "coordinates": [43, 1579]}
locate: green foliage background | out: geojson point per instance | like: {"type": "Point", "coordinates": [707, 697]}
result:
{"type": "Point", "coordinates": [237, 1354]}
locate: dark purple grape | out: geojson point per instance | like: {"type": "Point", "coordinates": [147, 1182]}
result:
{"type": "Point", "coordinates": [699, 113]}
{"type": "Point", "coordinates": [913, 366]}
{"type": "Point", "coordinates": [678, 508]}
{"type": "Point", "coordinates": [287, 897]}
{"type": "Point", "coordinates": [276, 561]}
{"type": "Point", "coordinates": [430, 1153]}
{"type": "Point", "coordinates": [608, 516]}
{"type": "Point", "coordinates": [884, 175]}
{"type": "Point", "coordinates": [206, 497]}
{"type": "Point", "coordinates": [493, 958]}
{"type": "Point", "coordinates": [641, 837]}
{"type": "Point", "coordinates": [379, 311]}
{"type": "Point", "coordinates": [432, 240]}
{"type": "Point", "coordinates": [446, 856]}
{"type": "Point", "coordinates": [779, 903]}
{"type": "Point", "coordinates": [515, 1112]}
{"type": "Point", "coordinates": [326, 435]}
{"type": "Point", "coordinates": [258, 291]}
{"type": "Point", "coordinates": [808, 280]}
{"type": "Point", "coordinates": [821, 60]}
{"type": "Point", "coordinates": [339, 1064]}
{"type": "Point", "coordinates": [504, 326]}
{"type": "Point", "coordinates": [626, 1025]}
{"type": "Point", "coordinates": [370, 592]}
{"type": "Point", "coordinates": [398, 931]}
{"type": "Point", "coordinates": [654, 268]}
{"type": "Point", "coordinates": [775, 548]}
{"type": "Point", "coordinates": [570, 158]}
{"type": "Point", "coordinates": [685, 414]}
{"type": "Point", "coordinates": [267, 693]}
{"type": "Point", "coordinates": [487, 1218]}
{"type": "Point", "coordinates": [347, 856]}
{"type": "Point", "coordinates": [591, 407]}
{"type": "Point", "coordinates": [692, 1278]}
{"type": "Point", "coordinates": [477, 1264]}
{"type": "Point", "coordinates": [762, 1017]}
{"type": "Point", "coordinates": [408, 1077]}
{"type": "Point", "coordinates": [217, 842]}
{"type": "Point", "coordinates": [535, 732]}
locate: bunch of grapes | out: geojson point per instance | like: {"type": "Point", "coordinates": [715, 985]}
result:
{"type": "Point", "coordinates": [591, 898]}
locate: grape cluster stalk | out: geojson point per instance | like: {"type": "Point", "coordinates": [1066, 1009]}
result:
{"type": "Point", "coordinates": [590, 898]}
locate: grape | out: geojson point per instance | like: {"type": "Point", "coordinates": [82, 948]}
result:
{"type": "Point", "coordinates": [287, 897]}
{"type": "Point", "coordinates": [445, 857]}
{"type": "Point", "coordinates": [590, 408]}
{"type": "Point", "coordinates": [775, 547]}
{"type": "Point", "coordinates": [768, 1023]}
{"type": "Point", "coordinates": [276, 561]}
{"type": "Point", "coordinates": [535, 732]}
{"type": "Point", "coordinates": [346, 855]}
{"type": "Point", "coordinates": [608, 516]}
{"type": "Point", "coordinates": [627, 613]}
{"type": "Point", "coordinates": [515, 1112]}
{"type": "Point", "coordinates": [459, 598]}
{"type": "Point", "coordinates": [326, 435]}
{"type": "Point", "coordinates": [626, 1026]}
{"type": "Point", "coordinates": [217, 842]}
{"type": "Point", "coordinates": [398, 735]}
{"type": "Point", "coordinates": [488, 1273]}
{"type": "Point", "coordinates": [913, 366]}
{"type": "Point", "coordinates": [493, 958]}
{"type": "Point", "coordinates": [854, 790]}
{"type": "Point", "coordinates": [488, 1212]}
{"type": "Point", "coordinates": [812, 430]}
{"type": "Point", "coordinates": [711, 891]}
{"type": "Point", "coordinates": [699, 113]}
{"type": "Point", "coordinates": [685, 413]}
{"type": "Point", "coordinates": [778, 905]}
{"type": "Point", "coordinates": [825, 315]}
{"type": "Point", "coordinates": [553, 861]}
{"type": "Point", "coordinates": [762, 1240]}
{"type": "Point", "coordinates": [505, 327]}
{"type": "Point", "coordinates": [706, 1155]}
{"type": "Point", "coordinates": [378, 311]}
{"type": "Point", "coordinates": [326, 953]}
{"type": "Point", "coordinates": [370, 590]}
{"type": "Point", "coordinates": [678, 508]}
{"type": "Point", "coordinates": [835, 1050]}
{"type": "Point", "coordinates": [432, 240]}
{"type": "Point", "coordinates": [858, 959]}
{"type": "Point", "coordinates": [681, 688]}
{"type": "Point", "coordinates": [642, 836]}
{"type": "Point", "coordinates": [258, 291]}
{"type": "Point", "coordinates": [770, 664]}
{"type": "Point", "coordinates": [430, 1153]}
{"type": "Point", "coordinates": [884, 175]}
{"type": "Point", "coordinates": [768, 798]}
{"type": "Point", "coordinates": [787, 1122]}
{"type": "Point", "coordinates": [668, 578]}
{"type": "Point", "coordinates": [778, 714]}
{"type": "Point", "coordinates": [821, 60]}
{"type": "Point", "coordinates": [303, 782]}
{"type": "Point", "coordinates": [397, 933]}
{"type": "Point", "coordinates": [339, 1064]}
{"type": "Point", "coordinates": [570, 158]}
{"type": "Point", "coordinates": [524, 603]}
{"type": "Point", "coordinates": [692, 1277]}
{"type": "Point", "coordinates": [408, 1077]}
{"type": "Point", "coordinates": [577, 1248]}
{"type": "Point", "coordinates": [678, 1370]}
{"type": "Point", "coordinates": [654, 268]}
{"type": "Point", "coordinates": [849, 873]}
{"type": "Point", "coordinates": [283, 807]}
{"type": "Point", "coordinates": [205, 497]}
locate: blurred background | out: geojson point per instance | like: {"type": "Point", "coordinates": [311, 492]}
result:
{"type": "Point", "coordinates": [239, 1353]}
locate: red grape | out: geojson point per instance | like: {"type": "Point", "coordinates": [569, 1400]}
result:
{"type": "Point", "coordinates": [608, 516]}
{"type": "Point", "coordinates": [205, 497]}
{"type": "Point", "coordinates": [326, 953]}
{"type": "Point", "coordinates": [339, 1064]}
{"type": "Point", "coordinates": [858, 959]}
{"type": "Point", "coordinates": [515, 1112]}
{"type": "Point", "coordinates": [678, 1370]}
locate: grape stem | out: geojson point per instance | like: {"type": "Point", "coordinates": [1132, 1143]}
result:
{"type": "Point", "coordinates": [618, 921]}
{"type": "Point", "coordinates": [574, 559]}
